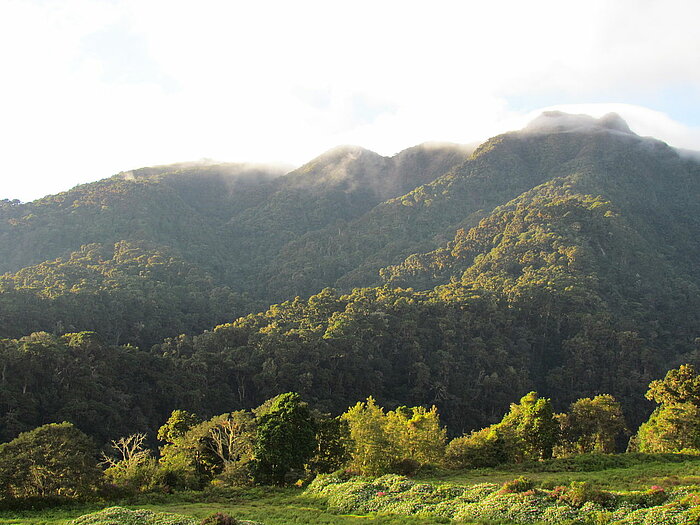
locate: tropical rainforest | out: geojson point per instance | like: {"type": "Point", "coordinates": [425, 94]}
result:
{"type": "Point", "coordinates": [557, 263]}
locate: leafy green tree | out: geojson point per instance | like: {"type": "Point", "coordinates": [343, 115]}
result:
{"type": "Point", "coordinates": [675, 423]}
{"type": "Point", "coordinates": [196, 452]}
{"type": "Point", "coordinates": [681, 385]}
{"type": "Point", "coordinates": [333, 445]}
{"type": "Point", "coordinates": [285, 439]}
{"type": "Point", "coordinates": [183, 458]}
{"type": "Point", "coordinates": [481, 448]}
{"type": "Point", "coordinates": [52, 460]}
{"type": "Point", "coordinates": [671, 428]}
{"type": "Point", "coordinates": [416, 435]}
{"type": "Point", "coordinates": [177, 425]}
{"type": "Point", "coordinates": [529, 431]}
{"type": "Point", "coordinates": [372, 449]}
{"type": "Point", "coordinates": [400, 440]}
{"type": "Point", "coordinates": [531, 427]}
{"type": "Point", "coordinates": [592, 425]}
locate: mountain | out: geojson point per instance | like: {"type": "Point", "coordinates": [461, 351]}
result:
{"type": "Point", "coordinates": [228, 222]}
{"type": "Point", "coordinates": [560, 258]}
{"type": "Point", "coordinates": [563, 260]}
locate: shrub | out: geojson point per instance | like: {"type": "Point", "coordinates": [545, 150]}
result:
{"type": "Point", "coordinates": [49, 461]}
{"type": "Point", "coordinates": [219, 518]}
{"type": "Point", "coordinates": [581, 492]}
{"type": "Point", "coordinates": [482, 448]}
{"type": "Point", "coordinates": [122, 516]}
{"type": "Point", "coordinates": [405, 467]}
{"type": "Point", "coordinates": [236, 474]}
{"type": "Point", "coordinates": [513, 486]}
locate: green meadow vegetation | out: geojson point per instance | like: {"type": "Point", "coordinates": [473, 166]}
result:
{"type": "Point", "coordinates": [629, 477]}
{"type": "Point", "coordinates": [286, 463]}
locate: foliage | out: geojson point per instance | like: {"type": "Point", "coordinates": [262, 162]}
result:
{"type": "Point", "coordinates": [671, 428]}
{"type": "Point", "coordinates": [285, 439]}
{"type": "Point", "coordinates": [105, 391]}
{"type": "Point", "coordinates": [371, 445]}
{"type": "Point", "coordinates": [124, 516]}
{"type": "Point", "coordinates": [332, 445]}
{"type": "Point", "coordinates": [561, 262]}
{"type": "Point", "coordinates": [681, 385]}
{"type": "Point", "coordinates": [399, 440]}
{"type": "Point", "coordinates": [517, 485]}
{"type": "Point", "coordinates": [516, 501]}
{"type": "Point", "coordinates": [581, 492]}
{"type": "Point", "coordinates": [51, 460]}
{"type": "Point", "coordinates": [133, 468]}
{"type": "Point", "coordinates": [417, 435]}
{"type": "Point", "coordinates": [675, 424]}
{"type": "Point", "coordinates": [592, 425]}
{"type": "Point", "coordinates": [531, 427]}
{"type": "Point", "coordinates": [219, 518]}
{"type": "Point", "coordinates": [177, 425]}
{"type": "Point", "coordinates": [195, 452]}
{"type": "Point", "coordinates": [481, 448]}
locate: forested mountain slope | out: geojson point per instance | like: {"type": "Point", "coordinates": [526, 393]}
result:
{"type": "Point", "coordinates": [560, 258]}
{"type": "Point", "coordinates": [225, 222]}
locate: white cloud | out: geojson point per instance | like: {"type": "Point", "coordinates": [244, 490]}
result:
{"type": "Point", "coordinates": [283, 81]}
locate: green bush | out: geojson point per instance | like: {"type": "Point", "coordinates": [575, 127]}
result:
{"type": "Point", "coordinates": [581, 492]}
{"type": "Point", "coordinates": [517, 485]}
{"type": "Point", "coordinates": [54, 460]}
{"type": "Point", "coordinates": [219, 518]}
{"type": "Point", "coordinates": [122, 516]}
{"type": "Point", "coordinates": [482, 448]}
{"type": "Point", "coordinates": [579, 503]}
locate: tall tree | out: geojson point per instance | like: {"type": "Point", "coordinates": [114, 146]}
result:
{"type": "Point", "coordinates": [675, 423]}
{"type": "Point", "coordinates": [533, 426]}
{"type": "Point", "coordinates": [285, 438]}
{"type": "Point", "coordinates": [592, 425]}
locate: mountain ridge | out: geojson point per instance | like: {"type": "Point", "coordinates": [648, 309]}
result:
{"type": "Point", "coordinates": [562, 262]}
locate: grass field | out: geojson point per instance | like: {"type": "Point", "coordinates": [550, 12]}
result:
{"type": "Point", "coordinates": [610, 472]}
{"type": "Point", "coordinates": [269, 506]}
{"type": "Point", "coordinates": [277, 506]}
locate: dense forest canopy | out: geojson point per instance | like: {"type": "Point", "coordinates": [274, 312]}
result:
{"type": "Point", "coordinates": [560, 258]}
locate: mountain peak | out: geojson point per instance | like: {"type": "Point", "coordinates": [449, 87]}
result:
{"type": "Point", "coordinates": [560, 122]}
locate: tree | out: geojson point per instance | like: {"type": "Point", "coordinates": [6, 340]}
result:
{"type": "Point", "coordinates": [285, 438]}
{"type": "Point", "coordinates": [396, 441]}
{"type": "Point", "coordinates": [675, 423]}
{"type": "Point", "coordinates": [179, 422]}
{"type": "Point", "coordinates": [133, 467]}
{"type": "Point", "coordinates": [532, 428]}
{"type": "Point", "coordinates": [481, 448]}
{"type": "Point", "coordinates": [416, 435]}
{"type": "Point", "coordinates": [231, 438]}
{"type": "Point", "coordinates": [51, 460]}
{"type": "Point", "coordinates": [333, 445]}
{"type": "Point", "coordinates": [372, 452]}
{"type": "Point", "coordinates": [130, 452]}
{"type": "Point", "coordinates": [671, 428]}
{"type": "Point", "coordinates": [681, 385]}
{"type": "Point", "coordinates": [592, 425]}
{"type": "Point", "coordinates": [183, 457]}
{"type": "Point", "coordinates": [196, 453]}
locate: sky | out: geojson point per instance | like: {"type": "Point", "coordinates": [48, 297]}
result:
{"type": "Point", "coordinates": [90, 88]}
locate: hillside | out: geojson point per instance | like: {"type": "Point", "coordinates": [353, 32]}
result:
{"type": "Point", "coordinates": [225, 221]}
{"type": "Point", "coordinates": [559, 258]}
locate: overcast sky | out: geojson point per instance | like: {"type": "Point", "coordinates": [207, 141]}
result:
{"type": "Point", "coordinates": [90, 88]}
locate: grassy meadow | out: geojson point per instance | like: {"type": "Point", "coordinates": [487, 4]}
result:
{"type": "Point", "coordinates": [278, 506]}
